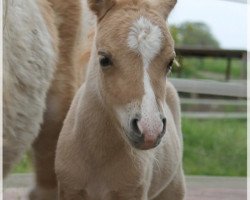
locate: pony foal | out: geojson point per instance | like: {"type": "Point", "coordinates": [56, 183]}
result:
{"type": "Point", "coordinates": [121, 139]}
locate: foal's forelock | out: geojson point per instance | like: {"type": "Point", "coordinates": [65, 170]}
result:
{"type": "Point", "coordinates": [145, 38]}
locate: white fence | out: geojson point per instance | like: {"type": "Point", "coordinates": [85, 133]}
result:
{"type": "Point", "coordinates": [211, 87]}
{"type": "Point", "coordinates": [215, 88]}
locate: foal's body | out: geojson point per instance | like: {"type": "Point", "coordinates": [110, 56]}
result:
{"type": "Point", "coordinates": [100, 165]}
{"type": "Point", "coordinates": [98, 155]}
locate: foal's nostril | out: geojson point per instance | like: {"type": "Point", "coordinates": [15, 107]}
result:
{"type": "Point", "coordinates": [135, 128]}
{"type": "Point", "coordinates": [164, 122]}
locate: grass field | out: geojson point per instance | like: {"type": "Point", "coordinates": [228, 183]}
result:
{"type": "Point", "coordinates": [212, 147]}
{"type": "Point", "coordinates": [215, 147]}
{"type": "Point", "coordinates": [209, 68]}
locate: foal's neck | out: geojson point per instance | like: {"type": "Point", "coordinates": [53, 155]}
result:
{"type": "Point", "coordinates": [100, 134]}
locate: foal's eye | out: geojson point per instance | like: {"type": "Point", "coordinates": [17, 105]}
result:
{"type": "Point", "coordinates": [105, 61]}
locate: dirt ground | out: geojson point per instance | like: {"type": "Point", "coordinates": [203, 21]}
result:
{"type": "Point", "coordinates": [17, 186]}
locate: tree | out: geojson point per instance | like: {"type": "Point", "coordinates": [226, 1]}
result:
{"type": "Point", "coordinates": [195, 34]}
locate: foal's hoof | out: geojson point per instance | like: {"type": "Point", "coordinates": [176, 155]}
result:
{"type": "Point", "coordinates": [43, 194]}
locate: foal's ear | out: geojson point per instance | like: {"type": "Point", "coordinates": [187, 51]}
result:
{"type": "Point", "coordinates": [163, 6]}
{"type": "Point", "coordinates": [100, 7]}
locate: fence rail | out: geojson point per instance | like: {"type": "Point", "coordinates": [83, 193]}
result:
{"type": "Point", "coordinates": [215, 115]}
{"type": "Point", "coordinates": [209, 52]}
{"type": "Point", "coordinates": [210, 87]}
{"type": "Point", "coordinates": [227, 54]}
{"type": "Point", "coordinates": [213, 102]}
{"type": "Point", "coordinates": [215, 88]}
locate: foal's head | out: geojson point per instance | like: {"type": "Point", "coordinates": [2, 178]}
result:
{"type": "Point", "coordinates": [134, 52]}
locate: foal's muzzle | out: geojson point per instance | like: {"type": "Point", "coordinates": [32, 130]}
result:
{"type": "Point", "coordinates": [144, 135]}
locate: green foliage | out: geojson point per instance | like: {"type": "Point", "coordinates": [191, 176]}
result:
{"type": "Point", "coordinates": [208, 68]}
{"type": "Point", "coordinates": [197, 34]}
{"type": "Point", "coordinates": [193, 34]}
{"type": "Point", "coordinates": [215, 147]}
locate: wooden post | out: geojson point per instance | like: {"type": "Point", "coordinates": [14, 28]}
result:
{"type": "Point", "coordinates": [228, 70]}
{"type": "Point", "coordinates": [244, 66]}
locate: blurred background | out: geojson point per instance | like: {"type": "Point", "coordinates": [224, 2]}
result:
{"type": "Point", "coordinates": [211, 42]}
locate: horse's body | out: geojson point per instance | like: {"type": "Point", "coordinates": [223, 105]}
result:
{"type": "Point", "coordinates": [121, 139]}
{"type": "Point", "coordinates": [43, 40]}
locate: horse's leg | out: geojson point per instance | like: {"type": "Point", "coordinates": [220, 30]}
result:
{"type": "Point", "coordinates": [62, 90]}
{"type": "Point", "coordinates": [44, 156]}
{"type": "Point", "coordinates": [175, 190]}
{"type": "Point", "coordinates": [44, 147]}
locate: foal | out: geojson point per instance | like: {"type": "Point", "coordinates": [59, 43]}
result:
{"type": "Point", "coordinates": [121, 139]}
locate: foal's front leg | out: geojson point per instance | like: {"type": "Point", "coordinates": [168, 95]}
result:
{"type": "Point", "coordinates": [70, 194]}
{"type": "Point", "coordinates": [140, 193]}
{"type": "Point", "coordinates": [66, 193]}
{"type": "Point", "coordinates": [175, 190]}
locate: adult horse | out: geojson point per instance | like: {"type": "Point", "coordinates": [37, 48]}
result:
{"type": "Point", "coordinates": [43, 40]}
{"type": "Point", "coordinates": [122, 136]}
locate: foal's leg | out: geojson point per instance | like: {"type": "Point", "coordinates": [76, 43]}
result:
{"type": "Point", "coordinates": [175, 190]}
{"type": "Point", "coordinates": [68, 194]}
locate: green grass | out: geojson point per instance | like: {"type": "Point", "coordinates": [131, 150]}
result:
{"type": "Point", "coordinates": [24, 165]}
{"type": "Point", "coordinates": [211, 147]}
{"type": "Point", "coordinates": [194, 67]}
{"type": "Point", "coordinates": [219, 66]}
{"type": "Point", "coordinates": [215, 147]}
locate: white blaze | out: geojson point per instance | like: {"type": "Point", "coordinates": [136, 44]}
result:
{"type": "Point", "coordinates": [145, 38]}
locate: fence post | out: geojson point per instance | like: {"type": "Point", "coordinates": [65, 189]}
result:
{"type": "Point", "coordinates": [228, 70]}
{"type": "Point", "coordinates": [244, 67]}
